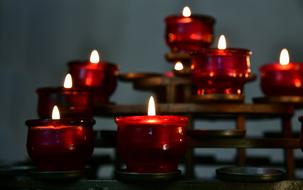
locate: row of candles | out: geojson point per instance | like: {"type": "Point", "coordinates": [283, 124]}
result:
{"type": "Point", "coordinates": [145, 143]}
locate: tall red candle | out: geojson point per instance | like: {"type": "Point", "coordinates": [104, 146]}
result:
{"type": "Point", "coordinates": [188, 32]}
{"type": "Point", "coordinates": [282, 79]}
{"type": "Point", "coordinates": [74, 102]}
{"type": "Point", "coordinates": [221, 70]}
{"type": "Point", "coordinates": [60, 144]}
{"type": "Point", "coordinates": [151, 144]}
{"type": "Point", "coordinates": [98, 76]}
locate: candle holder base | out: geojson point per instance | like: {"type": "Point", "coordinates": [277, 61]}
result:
{"type": "Point", "coordinates": [166, 88]}
{"type": "Point", "coordinates": [205, 133]}
{"type": "Point", "coordinates": [132, 76]}
{"type": "Point", "coordinates": [57, 175]}
{"type": "Point", "coordinates": [124, 175]}
{"type": "Point", "coordinates": [297, 101]}
{"type": "Point", "coordinates": [15, 170]}
{"type": "Point", "coordinates": [178, 56]}
{"type": "Point", "coordinates": [220, 98]}
{"type": "Point", "coordinates": [250, 174]}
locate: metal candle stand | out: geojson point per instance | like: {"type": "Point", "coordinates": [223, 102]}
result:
{"type": "Point", "coordinates": [174, 95]}
{"type": "Point", "coordinates": [212, 107]}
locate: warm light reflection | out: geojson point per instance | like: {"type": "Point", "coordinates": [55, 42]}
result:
{"type": "Point", "coordinates": [55, 113]}
{"type": "Point", "coordinates": [297, 83]}
{"type": "Point", "coordinates": [94, 57]}
{"type": "Point", "coordinates": [186, 11]}
{"type": "Point", "coordinates": [151, 111]}
{"type": "Point", "coordinates": [222, 42]}
{"type": "Point", "coordinates": [68, 82]}
{"type": "Point", "coordinates": [284, 57]}
{"type": "Point", "coordinates": [178, 66]}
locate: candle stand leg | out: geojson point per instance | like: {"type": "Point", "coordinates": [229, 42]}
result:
{"type": "Point", "coordinates": [241, 152]}
{"type": "Point", "coordinates": [187, 93]}
{"type": "Point", "coordinates": [189, 156]}
{"type": "Point", "coordinates": [171, 95]}
{"type": "Point", "coordinates": [288, 153]}
{"type": "Point", "coordinates": [118, 162]}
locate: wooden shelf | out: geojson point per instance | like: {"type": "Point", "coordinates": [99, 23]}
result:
{"type": "Point", "coordinates": [205, 110]}
{"type": "Point", "coordinates": [289, 143]}
{"type": "Point", "coordinates": [175, 185]}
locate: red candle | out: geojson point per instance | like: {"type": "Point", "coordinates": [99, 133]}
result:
{"type": "Point", "coordinates": [98, 76]}
{"type": "Point", "coordinates": [74, 102]}
{"type": "Point", "coordinates": [221, 70]}
{"type": "Point", "coordinates": [282, 79]}
{"type": "Point", "coordinates": [188, 32]}
{"type": "Point", "coordinates": [60, 144]}
{"type": "Point", "coordinates": [151, 144]}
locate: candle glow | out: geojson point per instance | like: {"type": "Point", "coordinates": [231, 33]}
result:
{"type": "Point", "coordinates": [186, 11]}
{"type": "Point", "coordinates": [55, 113]}
{"type": "Point", "coordinates": [68, 82]}
{"type": "Point", "coordinates": [178, 66]}
{"type": "Point", "coordinates": [284, 57]}
{"type": "Point", "coordinates": [222, 42]}
{"type": "Point", "coordinates": [151, 111]}
{"type": "Point", "coordinates": [94, 57]}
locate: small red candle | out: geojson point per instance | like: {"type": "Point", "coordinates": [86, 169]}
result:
{"type": "Point", "coordinates": [74, 102]}
{"type": "Point", "coordinates": [151, 144]}
{"type": "Point", "coordinates": [60, 144]}
{"type": "Point", "coordinates": [282, 79]}
{"type": "Point", "coordinates": [221, 70]}
{"type": "Point", "coordinates": [189, 33]}
{"type": "Point", "coordinates": [98, 76]}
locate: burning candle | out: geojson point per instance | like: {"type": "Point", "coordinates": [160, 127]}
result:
{"type": "Point", "coordinates": [221, 70]}
{"type": "Point", "coordinates": [152, 143]}
{"type": "Point", "coordinates": [98, 76]}
{"type": "Point", "coordinates": [189, 33]}
{"type": "Point", "coordinates": [282, 79]}
{"type": "Point", "coordinates": [60, 144]}
{"type": "Point", "coordinates": [178, 66]}
{"type": "Point", "coordinates": [74, 102]}
{"type": "Point", "coordinates": [181, 70]}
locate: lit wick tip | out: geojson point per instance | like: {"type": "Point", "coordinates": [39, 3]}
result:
{"type": "Point", "coordinates": [178, 66]}
{"type": "Point", "coordinates": [94, 57]}
{"type": "Point", "coordinates": [186, 11]}
{"type": "Point", "coordinates": [222, 42]}
{"type": "Point", "coordinates": [151, 111]}
{"type": "Point", "coordinates": [68, 82]}
{"type": "Point", "coordinates": [55, 113]}
{"type": "Point", "coordinates": [284, 57]}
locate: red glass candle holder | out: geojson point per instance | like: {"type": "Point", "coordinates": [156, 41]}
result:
{"type": "Point", "coordinates": [189, 34]}
{"type": "Point", "coordinates": [151, 144]}
{"type": "Point", "coordinates": [73, 102]}
{"type": "Point", "coordinates": [218, 71]}
{"type": "Point", "coordinates": [282, 80]}
{"type": "Point", "coordinates": [101, 78]}
{"type": "Point", "coordinates": [60, 145]}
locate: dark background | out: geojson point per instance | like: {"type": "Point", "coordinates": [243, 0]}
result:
{"type": "Point", "coordinates": [38, 38]}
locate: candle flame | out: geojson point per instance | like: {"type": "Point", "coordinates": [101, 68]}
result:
{"type": "Point", "coordinates": [178, 66]}
{"type": "Point", "coordinates": [151, 107]}
{"type": "Point", "coordinates": [222, 42]}
{"type": "Point", "coordinates": [68, 82]}
{"type": "Point", "coordinates": [284, 57]}
{"type": "Point", "coordinates": [186, 11]}
{"type": "Point", "coordinates": [55, 113]}
{"type": "Point", "coordinates": [94, 57]}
